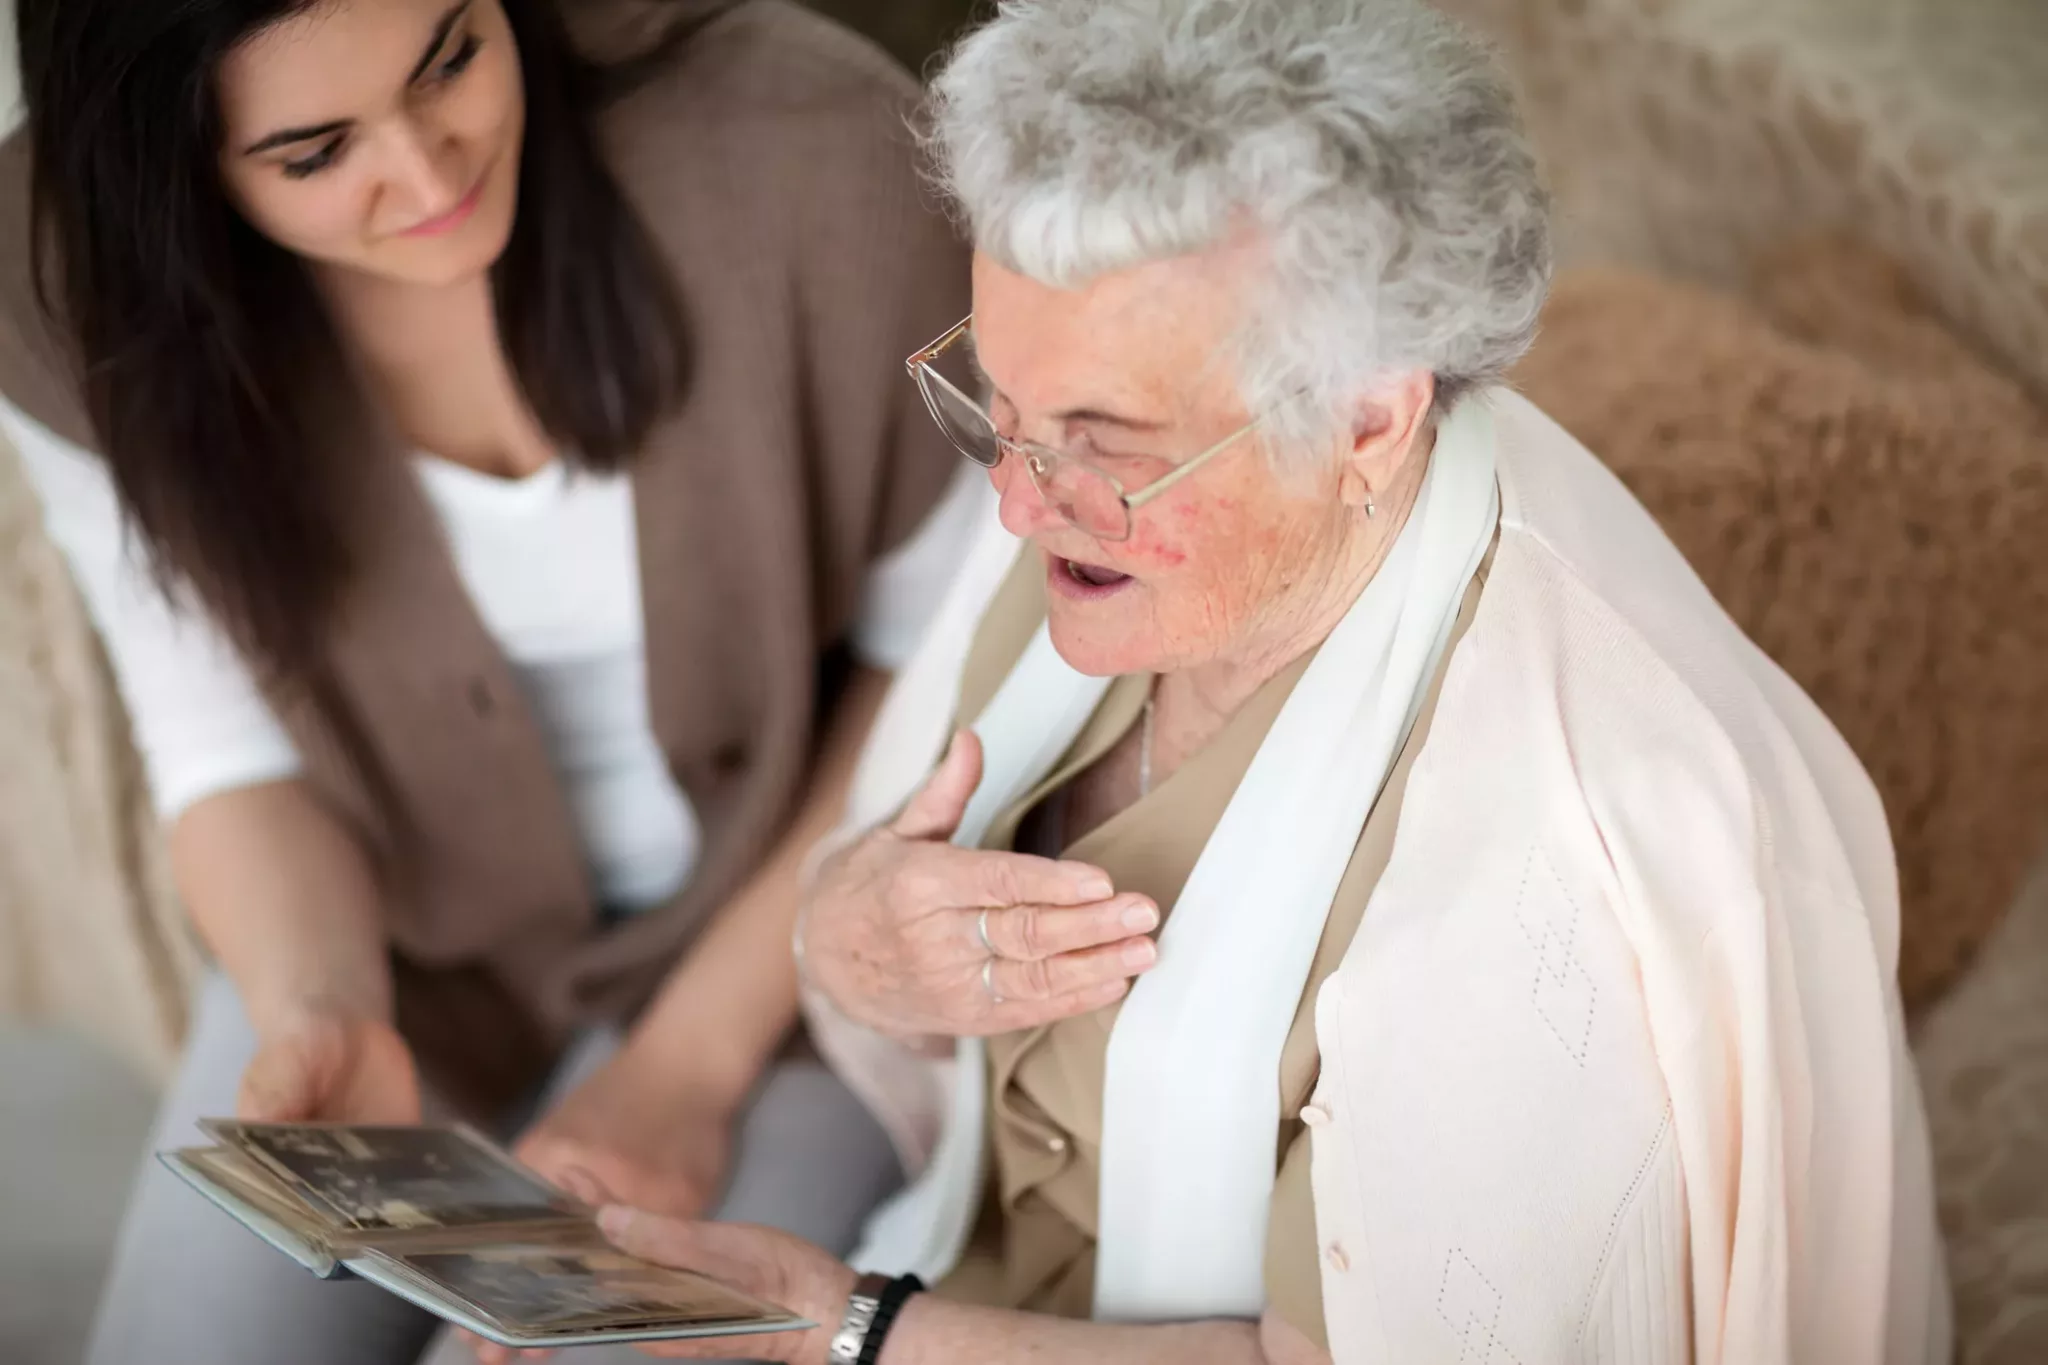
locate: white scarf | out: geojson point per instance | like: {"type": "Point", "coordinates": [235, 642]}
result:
{"type": "Point", "coordinates": [1191, 1101]}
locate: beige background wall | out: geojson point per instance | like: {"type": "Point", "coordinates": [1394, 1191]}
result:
{"type": "Point", "coordinates": [9, 81]}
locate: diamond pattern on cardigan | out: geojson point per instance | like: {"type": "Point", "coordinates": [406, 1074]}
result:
{"type": "Point", "coordinates": [1467, 1300]}
{"type": "Point", "coordinates": [1564, 993]}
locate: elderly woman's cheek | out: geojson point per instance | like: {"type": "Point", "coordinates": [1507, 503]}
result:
{"type": "Point", "coordinates": [1166, 541]}
{"type": "Point", "coordinates": [1152, 548]}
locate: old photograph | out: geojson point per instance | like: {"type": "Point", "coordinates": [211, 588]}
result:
{"type": "Point", "coordinates": [389, 1178]}
{"type": "Point", "coordinates": [550, 1286]}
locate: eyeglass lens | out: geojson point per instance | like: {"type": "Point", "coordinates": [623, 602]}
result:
{"type": "Point", "coordinates": [953, 390]}
{"type": "Point", "coordinates": [1083, 496]}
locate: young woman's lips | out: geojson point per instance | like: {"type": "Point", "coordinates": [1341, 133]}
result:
{"type": "Point", "coordinates": [453, 218]}
{"type": "Point", "coordinates": [1084, 582]}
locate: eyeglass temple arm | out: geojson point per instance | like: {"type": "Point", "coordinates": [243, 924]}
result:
{"type": "Point", "coordinates": [1159, 485]}
{"type": "Point", "coordinates": [920, 363]}
{"type": "Point", "coordinates": [930, 353]}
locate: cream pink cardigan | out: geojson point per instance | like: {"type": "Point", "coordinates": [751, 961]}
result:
{"type": "Point", "coordinates": [1614, 1069]}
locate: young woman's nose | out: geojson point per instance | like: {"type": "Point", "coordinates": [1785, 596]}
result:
{"type": "Point", "coordinates": [420, 173]}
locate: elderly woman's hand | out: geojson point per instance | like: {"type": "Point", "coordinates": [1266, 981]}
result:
{"type": "Point", "coordinates": [783, 1269]}
{"type": "Point", "coordinates": [914, 937]}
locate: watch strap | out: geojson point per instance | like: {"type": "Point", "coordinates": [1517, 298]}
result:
{"type": "Point", "coordinates": [887, 1307]}
{"type": "Point", "coordinates": [885, 1314]}
{"type": "Point", "coordinates": [861, 1306]}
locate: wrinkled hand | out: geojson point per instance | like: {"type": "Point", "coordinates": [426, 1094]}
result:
{"type": "Point", "coordinates": [893, 930]}
{"type": "Point", "coordinates": [771, 1265]}
{"type": "Point", "coordinates": [636, 1129]}
{"type": "Point", "coordinates": [317, 1065]}
{"type": "Point", "coordinates": [640, 1131]}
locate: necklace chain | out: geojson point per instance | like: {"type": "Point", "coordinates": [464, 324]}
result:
{"type": "Point", "coordinates": [1145, 752]}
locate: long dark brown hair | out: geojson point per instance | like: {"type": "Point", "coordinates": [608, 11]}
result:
{"type": "Point", "coordinates": [202, 347]}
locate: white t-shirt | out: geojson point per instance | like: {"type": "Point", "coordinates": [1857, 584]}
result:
{"type": "Point", "coordinates": [551, 563]}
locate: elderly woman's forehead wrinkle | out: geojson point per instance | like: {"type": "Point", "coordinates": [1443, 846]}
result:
{"type": "Point", "coordinates": [1149, 344]}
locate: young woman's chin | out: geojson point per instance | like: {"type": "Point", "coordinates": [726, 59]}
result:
{"type": "Point", "coordinates": [446, 253]}
{"type": "Point", "coordinates": [440, 264]}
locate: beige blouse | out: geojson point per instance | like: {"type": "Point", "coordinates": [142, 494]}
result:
{"type": "Point", "coordinates": [1034, 1248]}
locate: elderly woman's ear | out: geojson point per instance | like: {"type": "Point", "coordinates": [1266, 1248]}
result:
{"type": "Point", "coordinates": [1388, 439]}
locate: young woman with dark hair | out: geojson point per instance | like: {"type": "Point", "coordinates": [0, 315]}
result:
{"type": "Point", "coordinates": [492, 476]}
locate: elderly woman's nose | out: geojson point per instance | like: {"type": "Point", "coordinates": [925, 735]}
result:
{"type": "Point", "coordinates": [1024, 510]}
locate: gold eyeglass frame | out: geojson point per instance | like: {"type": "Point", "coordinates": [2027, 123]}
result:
{"type": "Point", "coordinates": [1041, 460]}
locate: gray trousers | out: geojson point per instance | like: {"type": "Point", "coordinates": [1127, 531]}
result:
{"type": "Point", "coordinates": [190, 1286]}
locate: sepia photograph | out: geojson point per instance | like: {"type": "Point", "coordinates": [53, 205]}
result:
{"type": "Point", "coordinates": [249, 1180]}
{"type": "Point", "coordinates": [547, 1286]}
{"type": "Point", "coordinates": [391, 1178]}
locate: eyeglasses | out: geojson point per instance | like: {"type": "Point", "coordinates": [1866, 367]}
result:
{"type": "Point", "coordinates": [1087, 498]}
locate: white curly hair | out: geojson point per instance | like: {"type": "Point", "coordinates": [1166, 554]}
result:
{"type": "Point", "coordinates": [1372, 144]}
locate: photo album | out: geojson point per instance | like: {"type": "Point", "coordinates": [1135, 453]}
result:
{"type": "Point", "coordinates": [441, 1217]}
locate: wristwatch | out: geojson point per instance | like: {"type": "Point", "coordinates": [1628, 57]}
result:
{"type": "Point", "coordinates": [870, 1311]}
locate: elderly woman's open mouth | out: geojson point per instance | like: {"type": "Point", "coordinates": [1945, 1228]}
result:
{"type": "Point", "coordinates": [1085, 582]}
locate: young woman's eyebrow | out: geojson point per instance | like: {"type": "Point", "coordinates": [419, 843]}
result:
{"type": "Point", "coordinates": [285, 137]}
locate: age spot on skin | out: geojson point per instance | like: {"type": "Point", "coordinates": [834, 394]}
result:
{"type": "Point", "coordinates": [1148, 545]}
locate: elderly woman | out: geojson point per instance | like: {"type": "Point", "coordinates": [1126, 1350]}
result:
{"type": "Point", "coordinates": [1522, 987]}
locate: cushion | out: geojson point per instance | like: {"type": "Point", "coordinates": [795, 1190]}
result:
{"type": "Point", "coordinates": [90, 932]}
{"type": "Point", "coordinates": [1867, 497]}
{"type": "Point", "coordinates": [1983, 1060]}
{"type": "Point", "coordinates": [1686, 135]}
